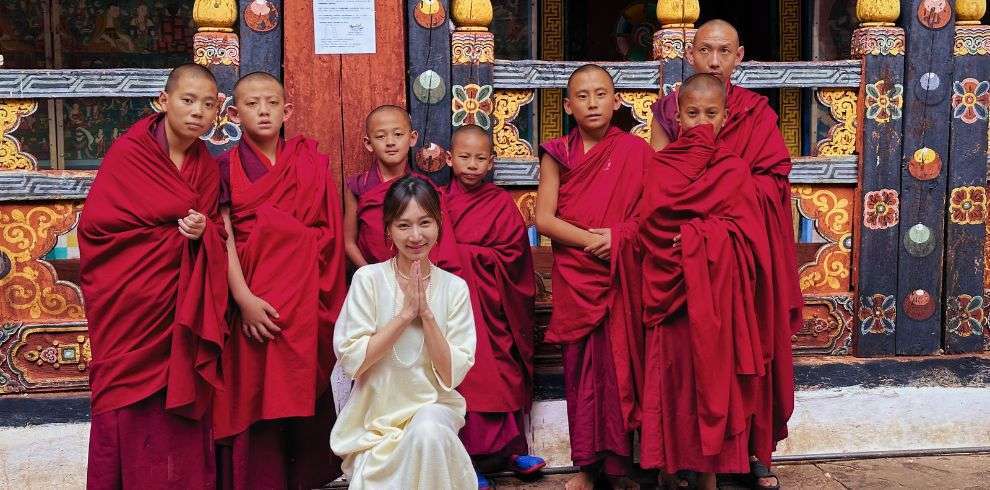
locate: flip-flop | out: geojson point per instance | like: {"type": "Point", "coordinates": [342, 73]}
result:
{"type": "Point", "coordinates": [525, 464]}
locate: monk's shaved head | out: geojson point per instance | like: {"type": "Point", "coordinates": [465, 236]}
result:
{"type": "Point", "coordinates": [704, 85]}
{"type": "Point", "coordinates": [589, 68]}
{"type": "Point", "coordinates": [258, 76]}
{"type": "Point", "coordinates": [718, 26]}
{"type": "Point", "coordinates": [471, 130]}
{"type": "Point", "coordinates": [715, 49]}
{"type": "Point", "coordinates": [187, 70]}
{"type": "Point", "coordinates": [387, 109]}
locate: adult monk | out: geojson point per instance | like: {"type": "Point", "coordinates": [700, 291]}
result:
{"type": "Point", "coordinates": [286, 272]}
{"type": "Point", "coordinates": [590, 186]}
{"type": "Point", "coordinates": [702, 237]}
{"type": "Point", "coordinates": [751, 132]}
{"type": "Point", "coordinates": [153, 269]}
{"type": "Point", "coordinates": [491, 237]}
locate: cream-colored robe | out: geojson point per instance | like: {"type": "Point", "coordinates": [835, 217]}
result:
{"type": "Point", "coordinates": [398, 429]}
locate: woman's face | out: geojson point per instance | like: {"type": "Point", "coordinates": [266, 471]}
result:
{"type": "Point", "coordinates": [414, 232]}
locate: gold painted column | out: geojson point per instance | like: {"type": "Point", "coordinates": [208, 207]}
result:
{"type": "Point", "coordinates": [216, 46]}
{"type": "Point", "coordinates": [790, 98]}
{"type": "Point", "coordinates": [551, 101]}
{"type": "Point", "coordinates": [677, 18]}
{"type": "Point", "coordinates": [472, 67]}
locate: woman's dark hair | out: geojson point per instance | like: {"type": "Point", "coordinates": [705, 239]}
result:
{"type": "Point", "coordinates": [404, 191]}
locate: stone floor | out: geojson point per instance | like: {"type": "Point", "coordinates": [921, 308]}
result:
{"type": "Point", "coordinates": [942, 472]}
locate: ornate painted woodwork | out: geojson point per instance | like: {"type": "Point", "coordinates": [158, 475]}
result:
{"type": "Point", "coordinates": [881, 47]}
{"type": "Point", "coordinates": [965, 300]}
{"type": "Point", "coordinates": [923, 185]}
{"type": "Point", "coordinates": [429, 82]}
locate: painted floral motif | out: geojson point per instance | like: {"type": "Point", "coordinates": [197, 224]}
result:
{"type": "Point", "coordinates": [884, 105]}
{"type": "Point", "coordinates": [472, 104]}
{"type": "Point", "coordinates": [877, 314]}
{"type": "Point", "coordinates": [970, 99]}
{"type": "Point", "coordinates": [968, 205]}
{"type": "Point", "coordinates": [224, 130]}
{"type": "Point", "coordinates": [881, 209]}
{"type": "Point", "coordinates": [966, 315]}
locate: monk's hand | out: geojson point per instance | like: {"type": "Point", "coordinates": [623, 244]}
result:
{"type": "Point", "coordinates": [193, 225]}
{"type": "Point", "coordinates": [677, 241]}
{"type": "Point", "coordinates": [421, 283]}
{"type": "Point", "coordinates": [258, 318]}
{"type": "Point", "coordinates": [601, 244]}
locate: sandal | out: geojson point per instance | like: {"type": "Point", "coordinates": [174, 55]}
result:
{"type": "Point", "coordinates": [526, 465]}
{"type": "Point", "coordinates": [484, 483]}
{"type": "Point", "coordinates": [759, 471]}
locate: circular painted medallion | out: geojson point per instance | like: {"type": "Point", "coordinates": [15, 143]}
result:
{"type": "Point", "coordinates": [919, 305]}
{"type": "Point", "coordinates": [930, 81]}
{"type": "Point", "coordinates": [934, 14]}
{"type": "Point", "coordinates": [261, 16]}
{"type": "Point", "coordinates": [429, 13]}
{"type": "Point", "coordinates": [432, 158]}
{"type": "Point", "coordinates": [429, 88]}
{"type": "Point", "coordinates": [925, 164]}
{"type": "Point", "coordinates": [919, 240]}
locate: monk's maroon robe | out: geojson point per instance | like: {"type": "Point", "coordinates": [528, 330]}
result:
{"type": "Point", "coordinates": [287, 225]}
{"type": "Point", "coordinates": [751, 132]}
{"type": "Point", "coordinates": [596, 303]}
{"type": "Point", "coordinates": [492, 240]}
{"type": "Point", "coordinates": [155, 303]}
{"type": "Point", "coordinates": [704, 352]}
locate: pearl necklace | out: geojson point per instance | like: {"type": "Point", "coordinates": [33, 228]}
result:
{"type": "Point", "coordinates": [396, 309]}
{"type": "Point", "coordinates": [395, 268]}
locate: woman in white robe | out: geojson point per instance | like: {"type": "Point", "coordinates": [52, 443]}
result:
{"type": "Point", "coordinates": [406, 337]}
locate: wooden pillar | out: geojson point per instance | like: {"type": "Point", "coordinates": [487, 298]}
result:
{"type": "Point", "coordinates": [215, 46]}
{"type": "Point", "coordinates": [677, 18]}
{"type": "Point", "coordinates": [334, 93]}
{"type": "Point", "coordinates": [472, 65]}
{"type": "Point", "coordinates": [929, 34]}
{"type": "Point", "coordinates": [965, 317]}
{"type": "Point", "coordinates": [880, 44]}
{"type": "Point", "coordinates": [261, 36]}
{"type": "Point", "coordinates": [428, 27]}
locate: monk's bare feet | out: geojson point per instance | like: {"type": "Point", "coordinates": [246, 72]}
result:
{"type": "Point", "coordinates": [622, 483]}
{"type": "Point", "coordinates": [581, 481]}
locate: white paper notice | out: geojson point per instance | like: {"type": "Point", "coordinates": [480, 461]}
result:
{"type": "Point", "coordinates": [344, 26]}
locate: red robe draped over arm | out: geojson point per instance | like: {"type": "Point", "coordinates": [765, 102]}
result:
{"type": "Point", "coordinates": [289, 233]}
{"type": "Point", "coordinates": [705, 194]}
{"type": "Point", "coordinates": [601, 189]}
{"type": "Point", "coordinates": [751, 132]}
{"type": "Point", "coordinates": [155, 300]}
{"type": "Point", "coordinates": [495, 250]}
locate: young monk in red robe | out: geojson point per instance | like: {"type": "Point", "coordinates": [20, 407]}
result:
{"type": "Point", "coordinates": [153, 269]}
{"type": "Point", "coordinates": [286, 251]}
{"type": "Point", "coordinates": [590, 185]}
{"type": "Point", "coordinates": [702, 237]}
{"type": "Point", "coordinates": [494, 246]}
{"type": "Point", "coordinates": [389, 137]}
{"type": "Point", "coordinates": [751, 132]}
